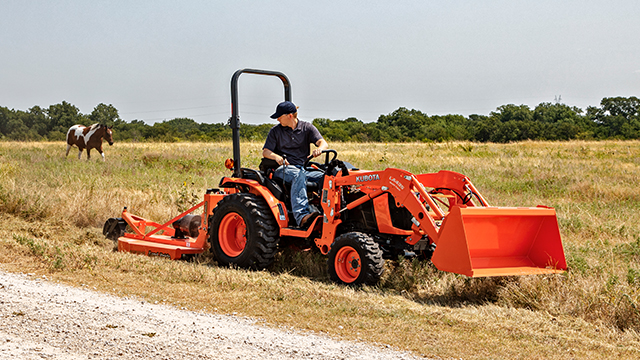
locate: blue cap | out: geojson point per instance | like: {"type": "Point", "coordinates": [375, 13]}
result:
{"type": "Point", "coordinates": [285, 107]}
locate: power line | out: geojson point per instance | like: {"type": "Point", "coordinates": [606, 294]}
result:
{"type": "Point", "coordinates": [153, 111]}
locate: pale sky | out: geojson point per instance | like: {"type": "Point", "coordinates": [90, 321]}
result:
{"type": "Point", "coordinates": [158, 60]}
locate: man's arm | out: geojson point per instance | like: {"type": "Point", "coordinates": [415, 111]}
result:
{"type": "Point", "coordinates": [321, 145]}
{"type": "Point", "coordinates": [266, 153]}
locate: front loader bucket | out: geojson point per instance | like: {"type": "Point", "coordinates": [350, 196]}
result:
{"type": "Point", "coordinates": [493, 241]}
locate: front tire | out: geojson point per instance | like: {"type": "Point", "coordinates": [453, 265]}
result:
{"type": "Point", "coordinates": [355, 259]}
{"type": "Point", "coordinates": [243, 231]}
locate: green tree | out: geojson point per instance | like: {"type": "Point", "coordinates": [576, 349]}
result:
{"type": "Point", "coordinates": [405, 124]}
{"type": "Point", "coordinates": [5, 115]}
{"type": "Point", "coordinates": [38, 121]}
{"type": "Point", "coordinates": [625, 107]}
{"type": "Point", "coordinates": [617, 117]}
{"type": "Point", "coordinates": [511, 112]}
{"type": "Point", "coordinates": [559, 122]}
{"type": "Point", "coordinates": [11, 124]}
{"type": "Point", "coordinates": [105, 115]}
{"type": "Point", "coordinates": [64, 115]}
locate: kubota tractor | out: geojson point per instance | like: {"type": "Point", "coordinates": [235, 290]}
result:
{"type": "Point", "coordinates": [366, 217]}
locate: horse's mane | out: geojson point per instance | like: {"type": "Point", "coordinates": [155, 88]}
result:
{"type": "Point", "coordinates": [94, 126]}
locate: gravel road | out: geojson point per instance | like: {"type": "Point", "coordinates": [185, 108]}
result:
{"type": "Point", "coordinates": [40, 319]}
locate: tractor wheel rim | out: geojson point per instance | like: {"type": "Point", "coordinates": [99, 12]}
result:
{"type": "Point", "coordinates": [232, 234]}
{"type": "Point", "coordinates": [348, 264]}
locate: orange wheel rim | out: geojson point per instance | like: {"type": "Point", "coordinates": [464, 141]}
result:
{"type": "Point", "coordinates": [232, 234]}
{"type": "Point", "coordinates": [348, 264]}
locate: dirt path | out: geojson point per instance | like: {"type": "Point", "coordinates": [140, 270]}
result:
{"type": "Point", "coordinates": [44, 320]}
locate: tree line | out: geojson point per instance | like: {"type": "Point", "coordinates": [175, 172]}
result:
{"type": "Point", "coordinates": [614, 118]}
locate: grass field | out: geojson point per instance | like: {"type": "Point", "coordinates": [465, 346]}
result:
{"type": "Point", "coordinates": [52, 210]}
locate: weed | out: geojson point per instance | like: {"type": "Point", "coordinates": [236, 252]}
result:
{"type": "Point", "coordinates": [578, 263]}
{"type": "Point", "coordinates": [187, 198]}
{"type": "Point", "coordinates": [90, 261]}
{"type": "Point", "coordinates": [310, 264]}
{"type": "Point", "coordinates": [150, 159]}
{"type": "Point", "coordinates": [408, 275]}
{"type": "Point", "coordinates": [630, 251]}
{"type": "Point", "coordinates": [468, 148]}
{"type": "Point", "coordinates": [35, 246]}
{"type": "Point", "coordinates": [58, 260]}
{"type": "Point", "coordinates": [383, 158]}
{"type": "Point", "coordinates": [633, 276]}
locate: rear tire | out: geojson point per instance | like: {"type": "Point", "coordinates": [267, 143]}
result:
{"type": "Point", "coordinates": [243, 231]}
{"type": "Point", "coordinates": [355, 259]}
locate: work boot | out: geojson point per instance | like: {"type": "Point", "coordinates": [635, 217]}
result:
{"type": "Point", "coordinates": [307, 219]}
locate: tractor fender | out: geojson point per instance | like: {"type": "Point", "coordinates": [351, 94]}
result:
{"type": "Point", "coordinates": [277, 207]}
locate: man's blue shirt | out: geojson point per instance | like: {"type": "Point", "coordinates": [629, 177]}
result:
{"type": "Point", "coordinates": [293, 143]}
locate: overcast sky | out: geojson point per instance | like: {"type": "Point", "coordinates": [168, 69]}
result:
{"type": "Point", "coordinates": [158, 60]}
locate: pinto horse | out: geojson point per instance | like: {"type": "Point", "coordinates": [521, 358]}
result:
{"type": "Point", "coordinates": [89, 138]}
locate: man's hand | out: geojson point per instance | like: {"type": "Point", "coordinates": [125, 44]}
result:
{"type": "Point", "coordinates": [281, 161]}
{"type": "Point", "coordinates": [316, 153]}
{"type": "Point", "coordinates": [321, 145]}
{"type": "Point", "coordinates": [266, 153]}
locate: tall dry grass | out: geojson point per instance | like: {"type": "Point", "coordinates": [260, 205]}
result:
{"type": "Point", "coordinates": [54, 209]}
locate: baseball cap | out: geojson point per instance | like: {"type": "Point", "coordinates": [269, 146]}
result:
{"type": "Point", "coordinates": [285, 107]}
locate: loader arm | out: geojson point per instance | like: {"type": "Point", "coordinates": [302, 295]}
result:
{"type": "Point", "coordinates": [409, 193]}
{"type": "Point", "coordinates": [445, 181]}
{"type": "Point", "coordinates": [402, 185]}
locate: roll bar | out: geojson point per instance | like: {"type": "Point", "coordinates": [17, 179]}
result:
{"type": "Point", "coordinates": [234, 121]}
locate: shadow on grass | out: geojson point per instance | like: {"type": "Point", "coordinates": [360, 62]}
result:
{"type": "Point", "coordinates": [416, 280]}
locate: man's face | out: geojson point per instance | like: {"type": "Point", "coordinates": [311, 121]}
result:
{"type": "Point", "coordinates": [285, 120]}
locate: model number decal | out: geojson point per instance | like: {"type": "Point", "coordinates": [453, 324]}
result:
{"type": "Point", "coordinates": [396, 183]}
{"type": "Point", "coordinates": [159, 254]}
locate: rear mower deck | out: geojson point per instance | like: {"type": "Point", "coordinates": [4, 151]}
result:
{"type": "Point", "coordinates": [170, 248]}
{"type": "Point", "coordinates": [163, 240]}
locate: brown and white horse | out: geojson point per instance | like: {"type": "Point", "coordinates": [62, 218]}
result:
{"type": "Point", "coordinates": [89, 138]}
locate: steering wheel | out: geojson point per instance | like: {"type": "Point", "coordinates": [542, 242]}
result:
{"type": "Point", "coordinates": [326, 160]}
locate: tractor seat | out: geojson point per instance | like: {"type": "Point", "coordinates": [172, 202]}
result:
{"type": "Point", "coordinates": [276, 186]}
{"type": "Point", "coordinates": [279, 185]}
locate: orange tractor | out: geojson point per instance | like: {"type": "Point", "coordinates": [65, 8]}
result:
{"type": "Point", "coordinates": [366, 217]}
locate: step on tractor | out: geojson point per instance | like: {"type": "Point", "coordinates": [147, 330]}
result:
{"type": "Point", "coordinates": [365, 217]}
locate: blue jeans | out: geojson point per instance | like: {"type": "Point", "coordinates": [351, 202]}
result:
{"type": "Point", "coordinates": [298, 177]}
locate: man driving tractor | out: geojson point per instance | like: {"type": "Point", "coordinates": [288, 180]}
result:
{"type": "Point", "coordinates": [368, 215]}
{"type": "Point", "coordinates": [288, 143]}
